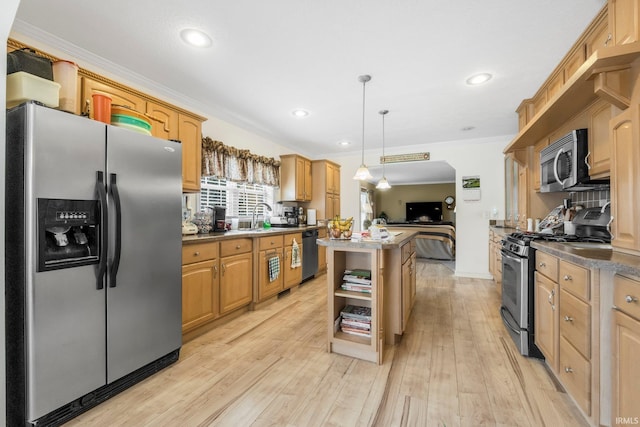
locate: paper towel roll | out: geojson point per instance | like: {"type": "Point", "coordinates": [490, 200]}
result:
{"type": "Point", "coordinates": [311, 217]}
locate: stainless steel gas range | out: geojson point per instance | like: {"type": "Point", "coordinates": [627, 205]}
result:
{"type": "Point", "coordinates": [518, 267]}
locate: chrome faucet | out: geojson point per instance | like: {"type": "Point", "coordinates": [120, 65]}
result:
{"type": "Point", "coordinates": [254, 225]}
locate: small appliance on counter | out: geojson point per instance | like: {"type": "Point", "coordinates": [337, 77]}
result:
{"type": "Point", "coordinates": [188, 227]}
{"type": "Point", "coordinates": [594, 223]}
{"type": "Point", "coordinates": [219, 219]}
{"type": "Point", "coordinates": [289, 217]}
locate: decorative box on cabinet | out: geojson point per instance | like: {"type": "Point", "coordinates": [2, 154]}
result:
{"type": "Point", "coordinates": [626, 347]}
{"type": "Point", "coordinates": [295, 178]}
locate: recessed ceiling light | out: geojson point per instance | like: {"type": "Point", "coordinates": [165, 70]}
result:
{"type": "Point", "coordinates": [478, 79]}
{"type": "Point", "coordinates": [195, 38]}
{"type": "Point", "coordinates": [344, 143]}
{"type": "Point", "coordinates": [300, 113]}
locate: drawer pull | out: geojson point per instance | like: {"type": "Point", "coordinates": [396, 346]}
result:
{"type": "Point", "coordinates": [568, 319]}
{"type": "Point", "coordinates": [542, 264]}
{"type": "Point", "coordinates": [567, 277]}
{"type": "Point", "coordinates": [630, 299]}
{"type": "Point", "coordinates": [238, 246]}
{"type": "Point", "coordinates": [196, 253]}
{"type": "Point", "coordinates": [568, 370]}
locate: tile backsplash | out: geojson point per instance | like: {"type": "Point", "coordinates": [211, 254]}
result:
{"type": "Point", "coordinates": [591, 199]}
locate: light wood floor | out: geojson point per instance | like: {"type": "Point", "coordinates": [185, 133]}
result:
{"type": "Point", "coordinates": [455, 366]}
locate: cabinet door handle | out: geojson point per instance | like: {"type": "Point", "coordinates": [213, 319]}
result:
{"type": "Point", "coordinates": [609, 37]}
{"type": "Point", "coordinates": [567, 278]}
{"type": "Point", "coordinates": [630, 299]}
{"type": "Point", "coordinates": [551, 295]}
{"type": "Point", "coordinates": [215, 271]}
{"type": "Point", "coordinates": [542, 265]}
{"type": "Point", "coordinates": [224, 268]}
{"type": "Point", "coordinates": [568, 369]}
{"type": "Point", "coordinates": [568, 319]}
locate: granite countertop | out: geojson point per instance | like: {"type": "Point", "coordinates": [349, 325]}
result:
{"type": "Point", "coordinates": [391, 243]}
{"type": "Point", "coordinates": [502, 230]}
{"type": "Point", "coordinates": [604, 259]}
{"type": "Point", "coordinates": [232, 234]}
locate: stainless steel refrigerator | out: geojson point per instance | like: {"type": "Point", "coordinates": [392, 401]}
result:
{"type": "Point", "coordinates": [93, 255]}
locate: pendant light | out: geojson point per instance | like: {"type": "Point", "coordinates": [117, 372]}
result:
{"type": "Point", "coordinates": [363, 173]}
{"type": "Point", "coordinates": [383, 184]}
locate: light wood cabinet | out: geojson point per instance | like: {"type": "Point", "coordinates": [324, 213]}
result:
{"type": "Point", "coordinates": [200, 288]}
{"type": "Point", "coordinates": [326, 188]}
{"type": "Point", "coordinates": [371, 347]}
{"type": "Point", "coordinates": [624, 21]}
{"type": "Point", "coordinates": [408, 284]}
{"type": "Point", "coordinates": [563, 325]}
{"type": "Point", "coordinates": [598, 36]}
{"type": "Point", "coordinates": [190, 135]}
{"type": "Point", "coordinates": [200, 285]}
{"type": "Point", "coordinates": [268, 287]}
{"type": "Point", "coordinates": [546, 319]}
{"type": "Point", "coordinates": [537, 149]}
{"type": "Point", "coordinates": [295, 178]}
{"type": "Point", "coordinates": [599, 157]}
{"type": "Point", "coordinates": [523, 197]}
{"type": "Point", "coordinates": [322, 251]}
{"type": "Point", "coordinates": [164, 121]}
{"type": "Point", "coordinates": [625, 347]}
{"type": "Point", "coordinates": [118, 96]}
{"type": "Point", "coordinates": [292, 275]}
{"type": "Point", "coordinates": [236, 274]}
{"type": "Point", "coordinates": [625, 191]}
{"type": "Point", "coordinates": [495, 259]}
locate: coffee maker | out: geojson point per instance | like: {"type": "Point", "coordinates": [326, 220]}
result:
{"type": "Point", "coordinates": [219, 214]}
{"type": "Point", "coordinates": [291, 214]}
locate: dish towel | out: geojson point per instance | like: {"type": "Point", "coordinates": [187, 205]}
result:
{"type": "Point", "coordinates": [274, 268]}
{"type": "Point", "coordinates": [295, 255]}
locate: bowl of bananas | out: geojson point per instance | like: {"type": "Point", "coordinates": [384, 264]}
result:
{"type": "Point", "coordinates": [340, 228]}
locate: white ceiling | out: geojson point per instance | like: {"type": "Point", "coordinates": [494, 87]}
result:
{"type": "Point", "coordinates": [271, 57]}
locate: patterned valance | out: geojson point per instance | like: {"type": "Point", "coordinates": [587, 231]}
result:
{"type": "Point", "coordinates": [222, 161]}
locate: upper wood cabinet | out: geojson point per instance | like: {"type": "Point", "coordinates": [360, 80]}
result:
{"type": "Point", "coordinates": [190, 135]}
{"type": "Point", "coordinates": [599, 157]}
{"type": "Point", "coordinates": [118, 96]}
{"type": "Point", "coordinates": [295, 178]}
{"type": "Point", "coordinates": [164, 121]}
{"type": "Point", "coordinates": [625, 169]}
{"type": "Point", "coordinates": [326, 187]}
{"type": "Point", "coordinates": [624, 21]}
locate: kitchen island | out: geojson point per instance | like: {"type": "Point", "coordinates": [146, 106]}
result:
{"type": "Point", "coordinates": [387, 305]}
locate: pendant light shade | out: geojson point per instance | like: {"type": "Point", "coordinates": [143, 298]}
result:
{"type": "Point", "coordinates": [363, 172]}
{"type": "Point", "coordinates": [383, 184]}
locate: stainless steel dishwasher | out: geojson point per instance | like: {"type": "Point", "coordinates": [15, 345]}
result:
{"type": "Point", "coordinates": [309, 254]}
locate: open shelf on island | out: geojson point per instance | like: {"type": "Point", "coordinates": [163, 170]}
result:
{"type": "Point", "coordinates": [352, 294]}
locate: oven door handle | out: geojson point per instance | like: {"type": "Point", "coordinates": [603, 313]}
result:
{"type": "Point", "coordinates": [508, 255]}
{"type": "Point", "coordinates": [506, 321]}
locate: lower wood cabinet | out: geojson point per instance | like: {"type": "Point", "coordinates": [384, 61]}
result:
{"type": "Point", "coordinates": [236, 281]}
{"type": "Point", "coordinates": [200, 285]}
{"type": "Point", "coordinates": [292, 275]}
{"type": "Point", "coordinates": [322, 251]}
{"type": "Point", "coordinates": [626, 348]}
{"type": "Point", "coordinates": [546, 319]}
{"type": "Point", "coordinates": [200, 299]}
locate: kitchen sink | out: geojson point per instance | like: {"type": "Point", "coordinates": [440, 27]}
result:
{"type": "Point", "coordinates": [588, 245]}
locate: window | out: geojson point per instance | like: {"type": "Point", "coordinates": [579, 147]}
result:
{"type": "Point", "coordinates": [238, 198]}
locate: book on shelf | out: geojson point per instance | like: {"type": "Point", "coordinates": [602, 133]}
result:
{"type": "Point", "coordinates": [346, 286]}
{"type": "Point", "coordinates": [358, 332]}
{"type": "Point", "coordinates": [356, 323]}
{"type": "Point", "coordinates": [357, 276]}
{"type": "Point", "coordinates": [356, 312]}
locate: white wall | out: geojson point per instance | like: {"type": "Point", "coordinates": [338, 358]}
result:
{"type": "Point", "coordinates": [481, 157]}
{"type": "Point", "coordinates": [6, 20]}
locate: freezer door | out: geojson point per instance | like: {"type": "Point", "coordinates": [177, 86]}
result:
{"type": "Point", "coordinates": [65, 312]}
{"type": "Point", "coordinates": [144, 309]}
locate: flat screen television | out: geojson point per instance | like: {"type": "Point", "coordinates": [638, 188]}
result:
{"type": "Point", "coordinates": [423, 211]}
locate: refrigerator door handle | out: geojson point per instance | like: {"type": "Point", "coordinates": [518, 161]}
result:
{"type": "Point", "coordinates": [102, 195]}
{"type": "Point", "coordinates": [113, 189]}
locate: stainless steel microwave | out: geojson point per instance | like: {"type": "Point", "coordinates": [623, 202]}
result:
{"type": "Point", "coordinates": [564, 165]}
